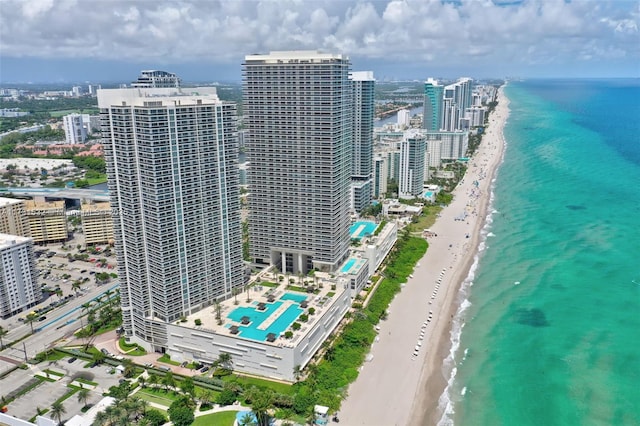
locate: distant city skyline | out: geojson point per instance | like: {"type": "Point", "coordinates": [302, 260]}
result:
{"type": "Point", "coordinates": [81, 41]}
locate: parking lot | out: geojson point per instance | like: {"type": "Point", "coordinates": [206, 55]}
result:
{"type": "Point", "coordinates": [57, 272]}
{"type": "Point", "coordinates": [46, 393]}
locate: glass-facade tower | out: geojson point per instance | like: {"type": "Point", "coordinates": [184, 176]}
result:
{"type": "Point", "coordinates": [432, 117]}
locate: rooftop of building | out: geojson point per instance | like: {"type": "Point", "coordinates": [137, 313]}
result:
{"type": "Point", "coordinates": [361, 76]}
{"type": "Point", "coordinates": [43, 205]}
{"type": "Point", "coordinates": [95, 206]}
{"type": "Point", "coordinates": [7, 240]}
{"type": "Point", "coordinates": [295, 55]}
{"type": "Point", "coordinates": [167, 96]}
{"type": "Point", "coordinates": [271, 309]}
{"type": "Point", "coordinates": [9, 201]}
{"type": "Point", "coordinates": [35, 163]}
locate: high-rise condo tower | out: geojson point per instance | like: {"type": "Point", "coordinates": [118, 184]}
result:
{"type": "Point", "coordinates": [362, 152]}
{"type": "Point", "coordinates": [432, 117]}
{"type": "Point", "coordinates": [172, 168]}
{"type": "Point", "coordinates": [298, 110]}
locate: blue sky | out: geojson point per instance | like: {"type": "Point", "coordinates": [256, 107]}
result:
{"type": "Point", "coordinates": [112, 40]}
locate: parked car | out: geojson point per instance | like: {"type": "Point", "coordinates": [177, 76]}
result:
{"type": "Point", "coordinates": [72, 359]}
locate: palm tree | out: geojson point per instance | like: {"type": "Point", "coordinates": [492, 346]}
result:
{"type": "Point", "coordinates": [205, 397]}
{"type": "Point", "coordinates": [142, 381]}
{"type": "Point", "coordinates": [139, 406]}
{"type": "Point", "coordinates": [86, 307]}
{"type": "Point", "coordinates": [75, 286]}
{"type": "Point", "coordinates": [218, 311]}
{"type": "Point", "coordinates": [57, 411]}
{"type": "Point", "coordinates": [108, 294]}
{"type": "Point", "coordinates": [168, 381]}
{"type": "Point", "coordinates": [297, 372]}
{"type": "Point", "coordinates": [261, 402]}
{"type": "Point", "coordinates": [187, 386]}
{"type": "Point", "coordinates": [113, 413]}
{"type": "Point", "coordinates": [153, 379]}
{"type": "Point", "coordinates": [225, 360]}
{"type": "Point", "coordinates": [83, 396]}
{"type": "Point", "coordinates": [246, 420]}
{"type": "Point", "coordinates": [98, 357]}
{"type": "Point", "coordinates": [3, 333]}
{"type": "Point", "coordinates": [101, 419]}
{"type": "Point", "coordinates": [30, 319]}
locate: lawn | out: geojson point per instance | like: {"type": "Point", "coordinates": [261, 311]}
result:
{"type": "Point", "coordinates": [131, 349]}
{"type": "Point", "coordinates": [157, 396]}
{"type": "Point", "coordinates": [95, 181]}
{"type": "Point", "coordinates": [268, 284]}
{"type": "Point", "coordinates": [426, 219]}
{"type": "Point", "coordinates": [223, 418]}
{"type": "Point", "coordinates": [51, 355]}
{"type": "Point", "coordinates": [167, 360]}
{"type": "Point", "coordinates": [86, 382]}
{"type": "Point", "coordinates": [275, 386]}
{"type": "Point", "coordinates": [53, 373]}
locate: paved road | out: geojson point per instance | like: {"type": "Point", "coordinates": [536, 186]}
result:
{"type": "Point", "coordinates": [60, 322]}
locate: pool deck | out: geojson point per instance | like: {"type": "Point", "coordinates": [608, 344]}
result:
{"type": "Point", "coordinates": [321, 302]}
{"type": "Point", "coordinates": [362, 228]}
{"type": "Point", "coordinates": [275, 315]}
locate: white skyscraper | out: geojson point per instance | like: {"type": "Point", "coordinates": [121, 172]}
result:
{"type": "Point", "coordinates": [362, 152]}
{"type": "Point", "coordinates": [173, 179]}
{"type": "Point", "coordinates": [404, 118]}
{"type": "Point", "coordinates": [380, 175]}
{"type": "Point", "coordinates": [76, 128]}
{"type": "Point", "coordinates": [19, 289]}
{"type": "Point", "coordinates": [457, 98]}
{"type": "Point", "coordinates": [412, 158]}
{"type": "Point", "coordinates": [299, 113]}
{"type": "Point", "coordinates": [156, 79]}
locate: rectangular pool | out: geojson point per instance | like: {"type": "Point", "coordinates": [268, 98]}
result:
{"type": "Point", "coordinates": [362, 228]}
{"type": "Point", "coordinates": [298, 298]}
{"type": "Point", "coordinates": [284, 320]}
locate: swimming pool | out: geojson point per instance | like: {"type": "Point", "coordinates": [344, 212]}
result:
{"type": "Point", "coordinates": [353, 265]}
{"type": "Point", "coordinates": [298, 298]}
{"type": "Point", "coordinates": [347, 266]}
{"type": "Point", "coordinates": [251, 331]}
{"type": "Point", "coordinates": [362, 228]}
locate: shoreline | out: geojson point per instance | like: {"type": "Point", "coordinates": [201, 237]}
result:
{"type": "Point", "coordinates": [434, 379]}
{"type": "Point", "coordinates": [399, 386]}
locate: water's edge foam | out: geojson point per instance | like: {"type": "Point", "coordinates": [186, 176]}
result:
{"type": "Point", "coordinates": [446, 402]}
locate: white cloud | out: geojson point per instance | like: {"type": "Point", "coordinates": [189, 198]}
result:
{"type": "Point", "coordinates": [530, 32]}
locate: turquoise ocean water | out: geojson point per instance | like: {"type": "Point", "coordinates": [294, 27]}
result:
{"type": "Point", "coordinates": [551, 316]}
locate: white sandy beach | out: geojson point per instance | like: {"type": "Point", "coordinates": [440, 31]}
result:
{"type": "Point", "coordinates": [397, 387]}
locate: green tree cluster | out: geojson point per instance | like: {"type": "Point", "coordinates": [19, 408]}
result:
{"type": "Point", "coordinates": [181, 411]}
